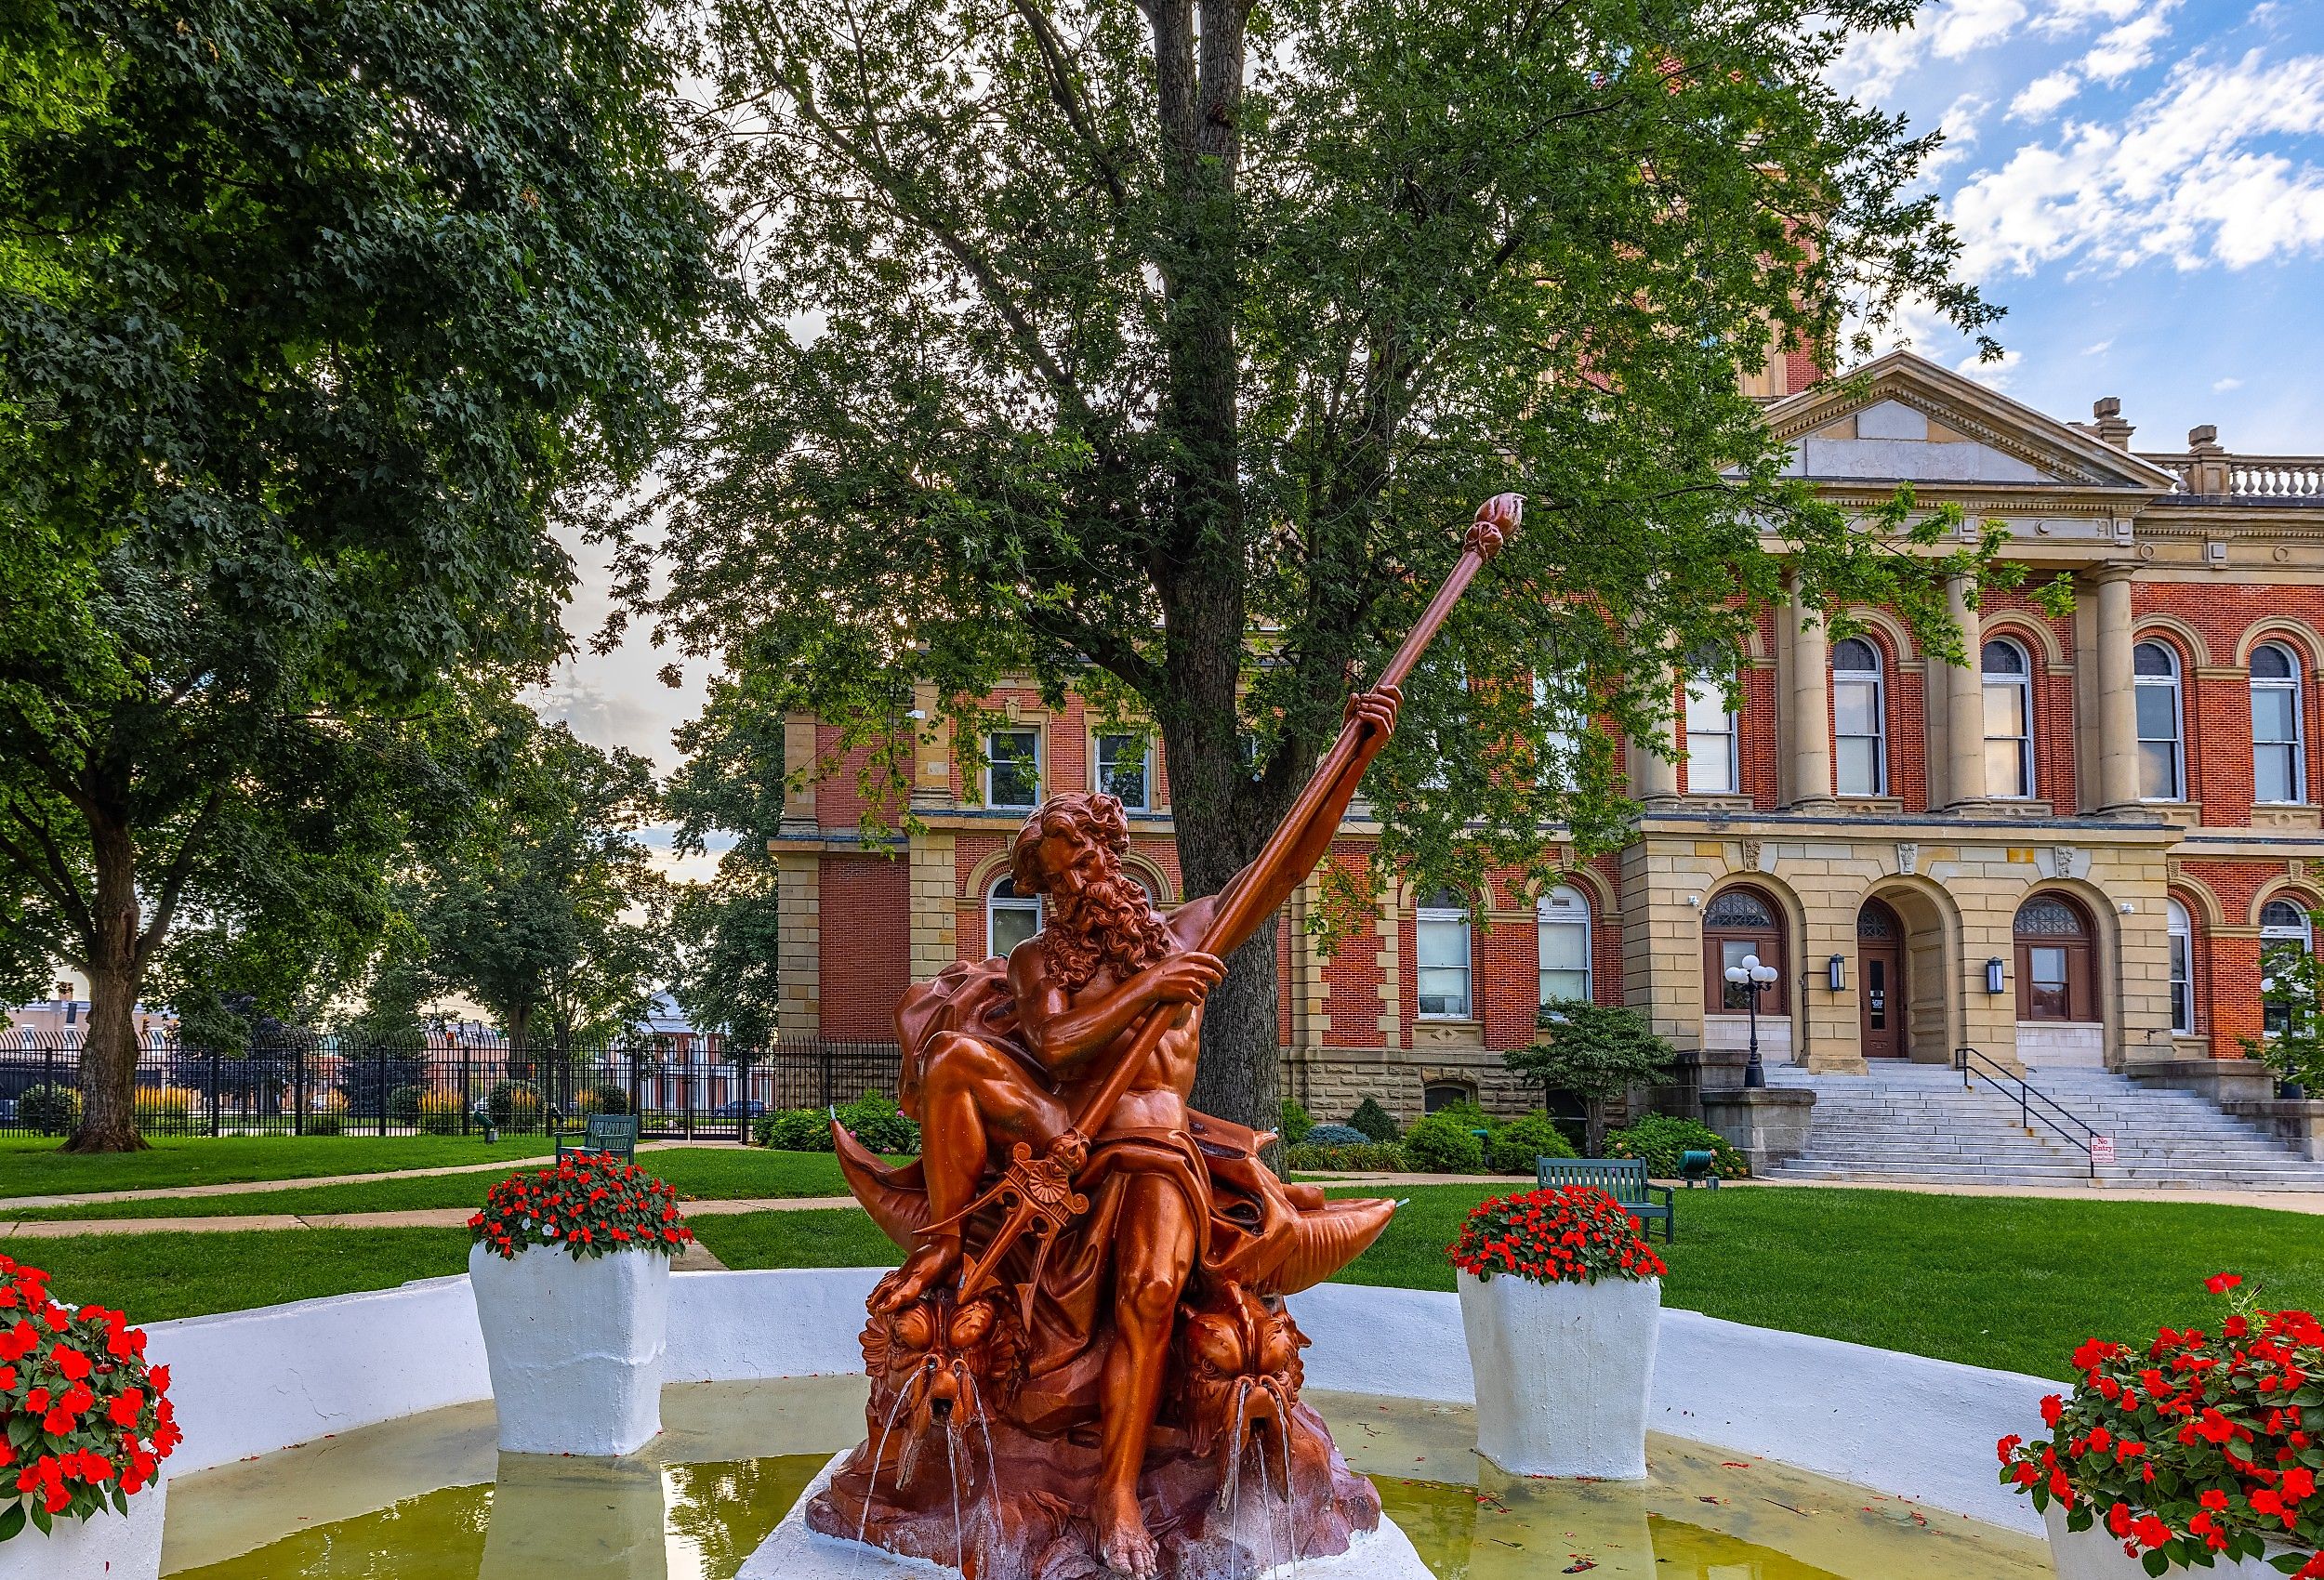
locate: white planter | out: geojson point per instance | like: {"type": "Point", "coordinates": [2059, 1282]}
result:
{"type": "Point", "coordinates": [2095, 1555]}
{"type": "Point", "coordinates": [105, 1547]}
{"type": "Point", "coordinates": [1563, 1373]}
{"type": "Point", "coordinates": [574, 1347]}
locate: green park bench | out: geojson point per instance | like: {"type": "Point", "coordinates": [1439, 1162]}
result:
{"type": "Point", "coordinates": [615, 1133]}
{"type": "Point", "coordinates": [1623, 1178]}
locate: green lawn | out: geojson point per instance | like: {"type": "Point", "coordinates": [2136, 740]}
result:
{"type": "Point", "coordinates": [156, 1277]}
{"type": "Point", "coordinates": [31, 1165]}
{"type": "Point", "coordinates": [705, 1172]}
{"type": "Point", "coordinates": [1991, 1280]}
{"type": "Point", "coordinates": [1994, 1281]}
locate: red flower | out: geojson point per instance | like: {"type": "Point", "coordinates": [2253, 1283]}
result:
{"type": "Point", "coordinates": [2220, 1282]}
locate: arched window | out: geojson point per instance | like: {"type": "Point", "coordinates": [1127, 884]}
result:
{"type": "Point", "coordinates": [1561, 706]}
{"type": "Point", "coordinates": [2278, 769]}
{"type": "Point", "coordinates": [1711, 736]}
{"type": "Point", "coordinates": [2282, 925]}
{"type": "Point", "coordinates": [1859, 719]}
{"type": "Point", "coordinates": [1009, 917]}
{"type": "Point", "coordinates": [1436, 1095]}
{"type": "Point", "coordinates": [1441, 940]}
{"type": "Point", "coordinates": [1565, 924]}
{"type": "Point", "coordinates": [2161, 754]}
{"type": "Point", "coordinates": [2054, 961]}
{"type": "Point", "coordinates": [2009, 759]}
{"type": "Point", "coordinates": [1739, 922]}
{"type": "Point", "coordinates": [2181, 933]}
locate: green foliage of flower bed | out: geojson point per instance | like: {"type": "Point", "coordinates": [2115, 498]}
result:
{"type": "Point", "coordinates": [1443, 1143]}
{"type": "Point", "coordinates": [1515, 1147]}
{"type": "Point", "coordinates": [1660, 1139]}
{"type": "Point", "coordinates": [1346, 1157]}
{"type": "Point", "coordinates": [1295, 1124]}
{"type": "Point", "coordinates": [872, 1119]}
{"type": "Point", "coordinates": [1376, 1122]}
{"type": "Point", "coordinates": [54, 1109]}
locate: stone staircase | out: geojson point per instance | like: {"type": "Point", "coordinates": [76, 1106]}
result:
{"type": "Point", "coordinates": [1916, 1122]}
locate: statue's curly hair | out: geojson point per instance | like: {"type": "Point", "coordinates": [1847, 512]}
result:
{"type": "Point", "coordinates": [1118, 928]}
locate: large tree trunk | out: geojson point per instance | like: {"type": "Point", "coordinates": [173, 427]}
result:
{"type": "Point", "coordinates": [117, 973]}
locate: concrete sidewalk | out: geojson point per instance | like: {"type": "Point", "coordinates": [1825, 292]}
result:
{"type": "Point", "coordinates": [2311, 1203]}
{"type": "Point", "coordinates": [415, 1218]}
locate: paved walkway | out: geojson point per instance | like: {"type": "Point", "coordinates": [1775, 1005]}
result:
{"type": "Point", "coordinates": [301, 1183]}
{"type": "Point", "coordinates": [2279, 1201]}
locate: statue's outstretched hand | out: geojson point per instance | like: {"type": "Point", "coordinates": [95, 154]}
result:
{"type": "Point", "coordinates": [1376, 708]}
{"type": "Point", "coordinates": [1188, 978]}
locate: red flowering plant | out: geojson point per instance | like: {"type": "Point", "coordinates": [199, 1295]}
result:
{"type": "Point", "coordinates": [85, 1423]}
{"type": "Point", "coordinates": [1573, 1234]}
{"type": "Point", "coordinates": [2203, 1446]}
{"type": "Point", "coordinates": [592, 1205]}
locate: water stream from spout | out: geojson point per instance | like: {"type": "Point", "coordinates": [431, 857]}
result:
{"type": "Point", "coordinates": [952, 1474]}
{"type": "Point", "coordinates": [863, 1523]}
{"type": "Point", "coordinates": [992, 1481]}
{"type": "Point", "coordinates": [1290, 1510]}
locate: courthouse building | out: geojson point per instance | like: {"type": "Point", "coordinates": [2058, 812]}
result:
{"type": "Point", "coordinates": [2071, 853]}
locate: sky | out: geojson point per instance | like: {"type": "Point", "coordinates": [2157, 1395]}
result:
{"type": "Point", "coordinates": [2139, 182]}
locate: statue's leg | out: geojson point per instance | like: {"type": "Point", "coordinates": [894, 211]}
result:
{"type": "Point", "coordinates": [1154, 1253]}
{"type": "Point", "coordinates": [972, 1096]}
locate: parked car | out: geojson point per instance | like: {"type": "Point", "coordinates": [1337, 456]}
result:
{"type": "Point", "coordinates": [740, 1109]}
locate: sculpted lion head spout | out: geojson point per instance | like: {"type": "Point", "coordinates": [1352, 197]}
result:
{"type": "Point", "coordinates": [938, 1365]}
{"type": "Point", "coordinates": [1239, 1374]}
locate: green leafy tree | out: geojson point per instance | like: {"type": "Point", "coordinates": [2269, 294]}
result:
{"type": "Point", "coordinates": [729, 791]}
{"type": "Point", "coordinates": [550, 911]}
{"type": "Point", "coordinates": [1598, 1052]}
{"type": "Point", "coordinates": [1163, 351]}
{"type": "Point", "coordinates": [312, 319]}
{"type": "Point", "coordinates": [2292, 984]}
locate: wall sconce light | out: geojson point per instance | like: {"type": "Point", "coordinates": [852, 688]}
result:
{"type": "Point", "coordinates": [1993, 975]}
{"type": "Point", "coordinates": [1837, 966]}
{"type": "Point", "coordinates": [1693, 901]}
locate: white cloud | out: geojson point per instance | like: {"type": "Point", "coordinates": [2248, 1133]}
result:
{"type": "Point", "coordinates": [1993, 375]}
{"type": "Point", "coordinates": [2037, 97]}
{"type": "Point", "coordinates": [2223, 384]}
{"type": "Point", "coordinates": [1967, 25]}
{"type": "Point", "coordinates": [2192, 175]}
{"type": "Point", "coordinates": [2063, 17]}
{"type": "Point", "coordinates": [2100, 349]}
{"type": "Point", "coordinates": [2129, 46]}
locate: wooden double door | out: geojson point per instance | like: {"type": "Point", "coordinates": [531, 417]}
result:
{"type": "Point", "coordinates": [1881, 986]}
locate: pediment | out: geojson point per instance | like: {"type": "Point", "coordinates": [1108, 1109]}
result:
{"type": "Point", "coordinates": [1902, 418]}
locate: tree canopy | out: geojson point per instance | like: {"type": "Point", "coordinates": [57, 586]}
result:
{"type": "Point", "coordinates": [312, 319]}
{"type": "Point", "coordinates": [1163, 351]}
{"type": "Point", "coordinates": [727, 930]}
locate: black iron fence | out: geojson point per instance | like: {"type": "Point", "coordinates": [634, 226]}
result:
{"type": "Point", "coordinates": [328, 1088]}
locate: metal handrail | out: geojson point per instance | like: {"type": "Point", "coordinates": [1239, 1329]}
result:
{"type": "Point", "coordinates": [2031, 1102]}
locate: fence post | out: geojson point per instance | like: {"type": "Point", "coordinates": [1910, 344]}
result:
{"type": "Point", "coordinates": [686, 1079]}
{"type": "Point", "coordinates": [379, 1084]}
{"type": "Point", "coordinates": [298, 1089]}
{"type": "Point", "coordinates": [48, 1082]}
{"type": "Point", "coordinates": [823, 1058]}
{"type": "Point", "coordinates": [467, 1092]}
{"type": "Point", "coordinates": [214, 1125]}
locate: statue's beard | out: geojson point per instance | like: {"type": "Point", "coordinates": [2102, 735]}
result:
{"type": "Point", "coordinates": [1112, 929]}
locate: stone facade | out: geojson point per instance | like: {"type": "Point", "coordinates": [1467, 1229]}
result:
{"type": "Point", "coordinates": [1959, 881]}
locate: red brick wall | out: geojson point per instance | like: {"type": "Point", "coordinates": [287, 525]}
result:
{"type": "Point", "coordinates": [1353, 974]}
{"type": "Point", "coordinates": [840, 798]}
{"type": "Point", "coordinates": [865, 945]}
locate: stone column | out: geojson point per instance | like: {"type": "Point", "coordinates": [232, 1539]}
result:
{"type": "Point", "coordinates": [931, 751]}
{"type": "Point", "coordinates": [1964, 703]}
{"type": "Point", "coordinates": [1810, 705]}
{"type": "Point", "coordinates": [798, 774]}
{"type": "Point", "coordinates": [1652, 776]}
{"type": "Point", "coordinates": [2116, 691]}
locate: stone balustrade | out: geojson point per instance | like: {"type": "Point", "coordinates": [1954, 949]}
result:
{"type": "Point", "coordinates": [2210, 472]}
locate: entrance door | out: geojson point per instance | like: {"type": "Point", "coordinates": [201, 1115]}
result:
{"type": "Point", "coordinates": [1880, 961]}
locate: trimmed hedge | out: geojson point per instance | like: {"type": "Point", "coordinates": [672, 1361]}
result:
{"type": "Point", "coordinates": [1513, 1148]}
{"type": "Point", "coordinates": [1444, 1144]}
{"type": "Point", "coordinates": [1377, 1157]}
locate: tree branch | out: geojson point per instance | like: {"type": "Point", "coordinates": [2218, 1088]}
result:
{"type": "Point", "coordinates": [56, 881]}
{"type": "Point", "coordinates": [1061, 87]}
{"type": "Point", "coordinates": [180, 867]}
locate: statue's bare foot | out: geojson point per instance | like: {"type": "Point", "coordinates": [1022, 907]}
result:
{"type": "Point", "coordinates": [929, 1264]}
{"type": "Point", "coordinates": [1124, 1545]}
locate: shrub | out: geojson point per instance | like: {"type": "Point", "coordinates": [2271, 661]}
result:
{"type": "Point", "coordinates": [404, 1105]}
{"type": "Point", "coordinates": [1373, 1121]}
{"type": "Point", "coordinates": [1660, 1138]}
{"type": "Point", "coordinates": [53, 1109]}
{"type": "Point", "coordinates": [1339, 1136]}
{"type": "Point", "coordinates": [2191, 1449]}
{"type": "Point", "coordinates": [326, 1125]}
{"type": "Point", "coordinates": [621, 1205]}
{"type": "Point", "coordinates": [166, 1111]}
{"type": "Point", "coordinates": [1442, 1144]}
{"type": "Point", "coordinates": [515, 1105]}
{"type": "Point", "coordinates": [440, 1113]}
{"type": "Point", "coordinates": [875, 1120]}
{"type": "Point", "coordinates": [1573, 1234]}
{"type": "Point", "coordinates": [602, 1097]}
{"type": "Point", "coordinates": [1513, 1148]}
{"type": "Point", "coordinates": [794, 1130]}
{"type": "Point", "coordinates": [1381, 1157]}
{"type": "Point", "coordinates": [1469, 1115]}
{"type": "Point", "coordinates": [1296, 1123]}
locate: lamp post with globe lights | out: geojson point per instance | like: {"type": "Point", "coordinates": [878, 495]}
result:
{"type": "Point", "coordinates": [1753, 977]}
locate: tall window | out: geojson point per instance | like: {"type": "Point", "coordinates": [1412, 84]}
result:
{"type": "Point", "coordinates": [1565, 922]}
{"type": "Point", "coordinates": [2009, 761]}
{"type": "Point", "coordinates": [1009, 917]}
{"type": "Point", "coordinates": [1859, 715]}
{"type": "Point", "coordinates": [1442, 947]}
{"type": "Point", "coordinates": [1012, 767]}
{"type": "Point", "coordinates": [1122, 770]}
{"type": "Point", "coordinates": [2161, 755]}
{"type": "Point", "coordinates": [1560, 699]}
{"type": "Point", "coordinates": [1739, 922]}
{"type": "Point", "coordinates": [2275, 754]}
{"type": "Point", "coordinates": [1710, 732]}
{"type": "Point", "coordinates": [2182, 934]}
{"type": "Point", "coordinates": [2054, 961]}
{"type": "Point", "coordinates": [2282, 925]}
